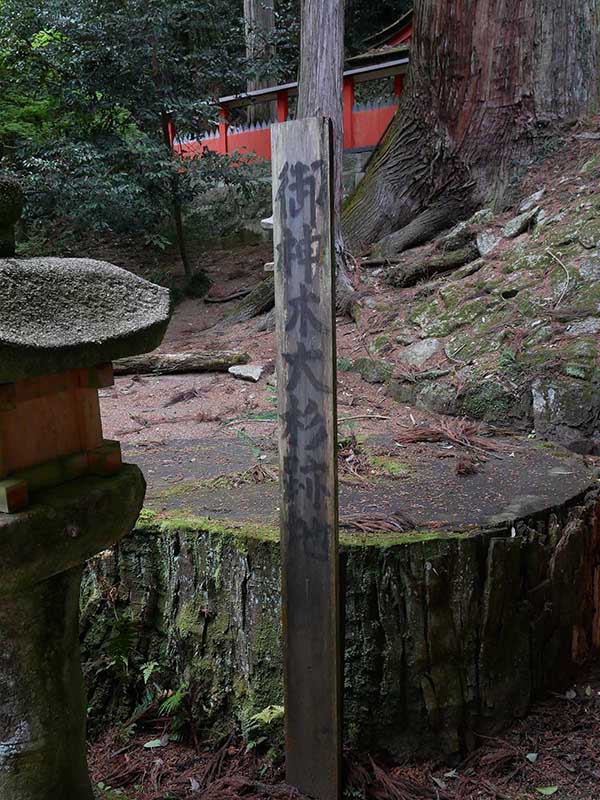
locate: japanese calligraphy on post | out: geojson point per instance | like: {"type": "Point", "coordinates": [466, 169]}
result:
{"type": "Point", "coordinates": [305, 312]}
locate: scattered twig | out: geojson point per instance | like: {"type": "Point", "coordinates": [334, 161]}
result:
{"type": "Point", "coordinates": [362, 416]}
{"type": "Point", "coordinates": [454, 430]}
{"type": "Point", "coordinates": [378, 523]}
{"type": "Point", "coordinates": [456, 352]}
{"type": "Point", "coordinates": [567, 273]}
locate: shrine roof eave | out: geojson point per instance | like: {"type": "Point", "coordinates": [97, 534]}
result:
{"type": "Point", "coordinates": [379, 56]}
{"type": "Point", "coordinates": [385, 67]}
{"type": "Point", "coordinates": [382, 37]}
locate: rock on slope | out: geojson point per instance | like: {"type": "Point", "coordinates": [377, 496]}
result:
{"type": "Point", "coordinates": [511, 337]}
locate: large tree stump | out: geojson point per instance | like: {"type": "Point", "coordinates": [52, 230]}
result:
{"type": "Point", "coordinates": [449, 634]}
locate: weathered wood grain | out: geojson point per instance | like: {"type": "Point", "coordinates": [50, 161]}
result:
{"type": "Point", "coordinates": [178, 363]}
{"type": "Point", "coordinates": [305, 321]}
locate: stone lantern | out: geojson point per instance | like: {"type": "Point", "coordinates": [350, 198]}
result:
{"type": "Point", "coordinates": [64, 497]}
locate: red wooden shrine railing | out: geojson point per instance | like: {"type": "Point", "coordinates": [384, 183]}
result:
{"type": "Point", "coordinates": [363, 125]}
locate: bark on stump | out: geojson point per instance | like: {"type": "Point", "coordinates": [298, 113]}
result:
{"type": "Point", "coordinates": [42, 702]}
{"type": "Point", "coordinates": [448, 634]}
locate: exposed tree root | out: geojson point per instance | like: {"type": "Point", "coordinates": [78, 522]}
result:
{"type": "Point", "coordinates": [237, 787]}
{"type": "Point", "coordinates": [227, 298]}
{"type": "Point", "coordinates": [424, 227]}
{"type": "Point", "coordinates": [260, 300]}
{"type": "Point", "coordinates": [414, 268]}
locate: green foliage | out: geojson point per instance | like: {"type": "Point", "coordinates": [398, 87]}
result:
{"type": "Point", "coordinates": [148, 670]}
{"type": "Point", "coordinates": [507, 359]}
{"type": "Point", "coordinates": [121, 644]}
{"type": "Point", "coordinates": [112, 184]}
{"type": "Point", "coordinates": [174, 702]}
{"type": "Point", "coordinates": [354, 794]}
{"type": "Point", "coordinates": [344, 364]}
{"type": "Point", "coordinates": [106, 793]}
{"type": "Point", "coordinates": [197, 285]}
{"type": "Point", "coordinates": [264, 731]}
{"type": "Point", "coordinates": [88, 89]}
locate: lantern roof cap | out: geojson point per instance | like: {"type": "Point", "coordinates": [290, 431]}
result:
{"type": "Point", "coordinates": [58, 314]}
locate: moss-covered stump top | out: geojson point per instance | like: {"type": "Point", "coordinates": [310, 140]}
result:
{"type": "Point", "coordinates": [422, 482]}
{"type": "Point", "coordinates": [66, 526]}
{"type": "Point", "coordinates": [58, 314]}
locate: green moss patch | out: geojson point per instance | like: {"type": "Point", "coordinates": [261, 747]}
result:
{"type": "Point", "coordinates": [390, 467]}
{"type": "Point", "coordinates": [154, 523]}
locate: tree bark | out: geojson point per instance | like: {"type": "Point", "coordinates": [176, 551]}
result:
{"type": "Point", "coordinates": [413, 270]}
{"type": "Point", "coordinates": [259, 16]}
{"type": "Point", "coordinates": [176, 201]}
{"type": "Point", "coordinates": [178, 363]}
{"type": "Point", "coordinates": [260, 300]}
{"type": "Point", "coordinates": [458, 633]}
{"type": "Point", "coordinates": [320, 94]}
{"type": "Point", "coordinates": [488, 81]}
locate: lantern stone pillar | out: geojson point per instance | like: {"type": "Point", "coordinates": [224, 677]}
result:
{"type": "Point", "coordinates": [65, 496]}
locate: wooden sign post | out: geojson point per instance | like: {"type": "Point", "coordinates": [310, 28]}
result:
{"type": "Point", "coordinates": [306, 364]}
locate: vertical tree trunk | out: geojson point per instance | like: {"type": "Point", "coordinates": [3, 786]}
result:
{"type": "Point", "coordinates": [488, 78]}
{"type": "Point", "coordinates": [259, 16]}
{"type": "Point", "coordinates": [176, 201]}
{"type": "Point", "coordinates": [320, 94]}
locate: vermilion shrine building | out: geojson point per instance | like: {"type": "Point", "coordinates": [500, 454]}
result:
{"type": "Point", "coordinates": [364, 122]}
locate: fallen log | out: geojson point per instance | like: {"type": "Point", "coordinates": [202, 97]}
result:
{"type": "Point", "coordinates": [178, 363]}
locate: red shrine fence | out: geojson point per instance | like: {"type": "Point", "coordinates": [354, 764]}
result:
{"type": "Point", "coordinates": [364, 123]}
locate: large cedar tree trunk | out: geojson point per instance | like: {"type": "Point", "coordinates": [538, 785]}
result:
{"type": "Point", "coordinates": [259, 16]}
{"type": "Point", "coordinates": [320, 94]}
{"type": "Point", "coordinates": [488, 81]}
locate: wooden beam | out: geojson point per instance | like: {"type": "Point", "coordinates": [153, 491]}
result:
{"type": "Point", "coordinates": [305, 316]}
{"type": "Point", "coordinates": [87, 409]}
{"type": "Point", "coordinates": [387, 68]}
{"type": "Point", "coordinates": [100, 377]}
{"type": "Point", "coordinates": [348, 113]}
{"type": "Point", "coordinates": [8, 397]}
{"type": "Point", "coordinates": [223, 131]}
{"type": "Point", "coordinates": [283, 105]}
{"type": "Point", "coordinates": [13, 496]}
{"type": "Point", "coordinates": [106, 459]}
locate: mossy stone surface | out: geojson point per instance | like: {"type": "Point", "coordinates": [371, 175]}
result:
{"type": "Point", "coordinates": [67, 525]}
{"type": "Point", "coordinates": [373, 370]}
{"type": "Point", "coordinates": [59, 314]}
{"type": "Point", "coordinates": [42, 702]}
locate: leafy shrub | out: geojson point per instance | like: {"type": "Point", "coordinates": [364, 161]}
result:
{"type": "Point", "coordinates": [113, 184]}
